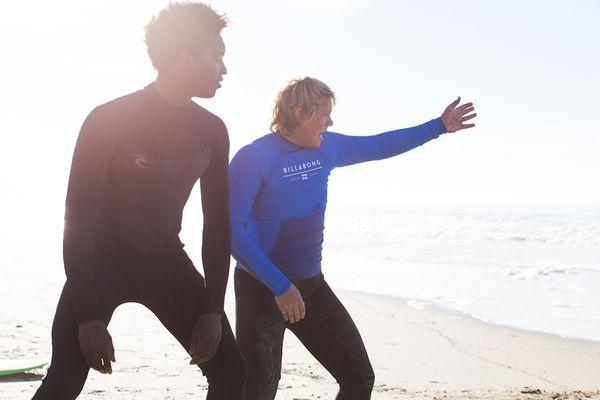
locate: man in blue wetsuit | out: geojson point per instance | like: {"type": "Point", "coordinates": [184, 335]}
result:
{"type": "Point", "coordinates": [278, 199]}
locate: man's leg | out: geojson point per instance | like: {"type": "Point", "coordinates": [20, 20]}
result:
{"type": "Point", "coordinates": [259, 330]}
{"type": "Point", "coordinates": [329, 333]}
{"type": "Point", "coordinates": [68, 370]}
{"type": "Point", "coordinates": [174, 292]}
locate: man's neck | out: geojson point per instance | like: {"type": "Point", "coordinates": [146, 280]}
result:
{"type": "Point", "coordinates": [171, 91]}
{"type": "Point", "coordinates": [297, 137]}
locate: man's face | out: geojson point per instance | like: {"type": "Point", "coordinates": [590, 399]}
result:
{"type": "Point", "coordinates": [309, 132]}
{"type": "Point", "coordinates": [205, 71]}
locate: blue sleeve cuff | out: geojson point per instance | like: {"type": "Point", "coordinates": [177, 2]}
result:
{"type": "Point", "coordinates": [282, 287]}
{"type": "Point", "coordinates": [438, 127]}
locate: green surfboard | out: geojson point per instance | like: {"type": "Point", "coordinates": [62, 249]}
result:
{"type": "Point", "coordinates": [12, 367]}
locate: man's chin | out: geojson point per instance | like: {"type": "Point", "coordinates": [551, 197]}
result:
{"type": "Point", "coordinates": [206, 93]}
{"type": "Point", "coordinates": [318, 141]}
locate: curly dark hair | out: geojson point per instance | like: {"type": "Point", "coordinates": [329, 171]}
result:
{"type": "Point", "coordinates": [181, 26]}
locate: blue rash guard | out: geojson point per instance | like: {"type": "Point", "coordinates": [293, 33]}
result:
{"type": "Point", "coordinates": [279, 193]}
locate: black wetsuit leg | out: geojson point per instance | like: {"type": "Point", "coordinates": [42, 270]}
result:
{"type": "Point", "coordinates": [172, 288]}
{"type": "Point", "coordinates": [175, 293]}
{"type": "Point", "coordinates": [259, 332]}
{"type": "Point", "coordinates": [68, 369]}
{"type": "Point", "coordinates": [327, 331]}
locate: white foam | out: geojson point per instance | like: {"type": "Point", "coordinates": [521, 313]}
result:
{"type": "Point", "coordinates": [528, 273]}
{"type": "Point", "coordinates": [528, 269]}
{"type": "Point", "coordinates": [419, 305]}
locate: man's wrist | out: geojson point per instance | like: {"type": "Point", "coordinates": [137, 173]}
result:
{"type": "Point", "coordinates": [91, 322]}
{"type": "Point", "coordinates": [441, 126]}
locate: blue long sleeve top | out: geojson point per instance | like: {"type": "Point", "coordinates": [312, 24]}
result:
{"type": "Point", "coordinates": [278, 196]}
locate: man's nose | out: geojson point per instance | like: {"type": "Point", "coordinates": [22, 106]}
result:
{"type": "Point", "coordinates": [223, 68]}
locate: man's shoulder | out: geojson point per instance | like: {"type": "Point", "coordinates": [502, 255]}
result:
{"type": "Point", "coordinates": [263, 142]}
{"type": "Point", "coordinates": [121, 104]}
{"type": "Point", "coordinates": [117, 111]}
{"type": "Point", "coordinates": [260, 147]}
{"type": "Point", "coordinates": [255, 153]}
{"type": "Point", "coordinates": [209, 119]}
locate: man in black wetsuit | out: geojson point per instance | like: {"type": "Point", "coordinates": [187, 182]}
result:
{"type": "Point", "coordinates": [135, 163]}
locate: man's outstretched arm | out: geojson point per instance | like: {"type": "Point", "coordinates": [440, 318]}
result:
{"type": "Point", "coordinates": [348, 150]}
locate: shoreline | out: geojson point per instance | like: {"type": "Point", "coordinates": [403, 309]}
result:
{"type": "Point", "coordinates": [453, 312]}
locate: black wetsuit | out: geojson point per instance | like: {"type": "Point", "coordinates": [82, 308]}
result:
{"type": "Point", "coordinates": [327, 331]}
{"type": "Point", "coordinates": [135, 163]}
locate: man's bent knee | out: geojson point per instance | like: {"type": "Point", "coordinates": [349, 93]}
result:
{"type": "Point", "coordinates": [359, 388]}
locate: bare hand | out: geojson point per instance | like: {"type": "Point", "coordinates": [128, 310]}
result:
{"type": "Point", "coordinates": [206, 337]}
{"type": "Point", "coordinates": [454, 117]}
{"type": "Point", "coordinates": [96, 345]}
{"type": "Point", "coordinates": [291, 305]}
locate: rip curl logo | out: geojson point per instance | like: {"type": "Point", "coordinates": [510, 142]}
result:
{"type": "Point", "coordinates": [302, 171]}
{"type": "Point", "coordinates": [140, 161]}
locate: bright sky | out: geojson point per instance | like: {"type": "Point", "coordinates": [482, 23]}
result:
{"type": "Point", "coordinates": [530, 67]}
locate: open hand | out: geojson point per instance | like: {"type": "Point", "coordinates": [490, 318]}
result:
{"type": "Point", "coordinates": [206, 337]}
{"type": "Point", "coordinates": [454, 116]}
{"type": "Point", "coordinates": [291, 305]}
{"type": "Point", "coordinates": [96, 345]}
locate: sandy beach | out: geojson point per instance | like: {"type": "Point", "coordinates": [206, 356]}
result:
{"type": "Point", "coordinates": [417, 353]}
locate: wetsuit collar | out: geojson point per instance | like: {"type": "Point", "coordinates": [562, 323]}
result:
{"type": "Point", "coordinates": [280, 142]}
{"type": "Point", "coordinates": [160, 102]}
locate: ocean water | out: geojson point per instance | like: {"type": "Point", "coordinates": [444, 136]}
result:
{"type": "Point", "coordinates": [529, 267]}
{"type": "Point", "coordinates": [535, 268]}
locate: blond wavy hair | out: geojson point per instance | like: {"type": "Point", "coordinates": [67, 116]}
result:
{"type": "Point", "coordinates": [304, 94]}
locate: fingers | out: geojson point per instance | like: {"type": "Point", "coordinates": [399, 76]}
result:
{"type": "Point", "coordinates": [291, 305]}
{"type": "Point", "coordinates": [111, 349]}
{"type": "Point", "coordinates": [288, 314]}
{"type": "Point", "coordinates": [468, 117]}
{"type": "Point", "coordinates": [462, 107]}
{"type": "Point", "coordinates": [107, 356]}
{"type": "Point", "coordinates": [198, 357]}
{"type": "Point", "coordinates": [466, 126]}
{"type": "Point", "coordinates": [463, 111]}
{"type": "Point", "coordinates": [94, 361]}
{"type": "Point", "coordinates": [296, 311]}
{"type": "Point", "coordinates": [213, 347]}
{"type": "Point", "coordinates": [207, 350]}
{"type": "Point", "coordinates": [194, 347]}
{"type": "Point", "coordinates": [452, 105]}
{"type": "Point", "coordinates": [291, 314]}
{"type": "Point", "coordinates": [106, 367]}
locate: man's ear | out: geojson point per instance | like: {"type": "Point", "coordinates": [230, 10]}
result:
{"type": "Point", "coordinates": [182, 60]}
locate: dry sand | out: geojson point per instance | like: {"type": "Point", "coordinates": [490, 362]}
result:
{"type": "Point", "coordinates": [416, 354]}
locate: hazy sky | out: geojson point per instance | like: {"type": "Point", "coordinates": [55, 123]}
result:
{"type": "Point", "coordinates": [531, 68]}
